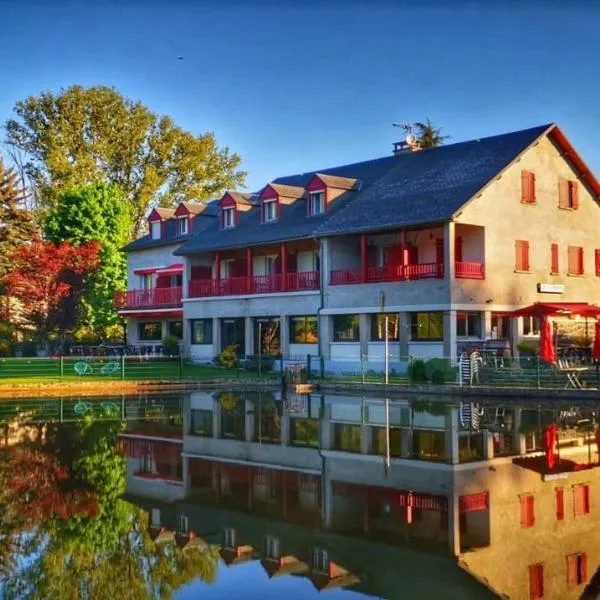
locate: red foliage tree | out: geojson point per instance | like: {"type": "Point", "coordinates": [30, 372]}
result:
{"type": "Point", "coordinates": [44, 276]}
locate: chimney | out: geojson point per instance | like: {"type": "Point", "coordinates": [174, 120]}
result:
{"type": "Point", "coordinates": [401, 148]}
{"type": "Point", "coordinates": [410, 145]}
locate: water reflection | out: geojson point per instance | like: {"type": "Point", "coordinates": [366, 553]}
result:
{"type": "Point", "coordinates": [496, 498]}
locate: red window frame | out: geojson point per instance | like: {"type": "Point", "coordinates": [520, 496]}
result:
{"type": "Point", "coordinates": [554, 263]}
{"type": "Point", "coordinates": [560, 503]}
{"type": "Point", "coordinates": [536, 581]}
{"type": "Point", "coordinates": [527, 510]}
{"type": "Point", "coordinates": [576, 569]}
{"type": "Point", "coordinates": [575, 258]}
{"type": "Point", "coordinates": [568, 194]}
{"type": "Point", "coordinates": [522, 255]}
{"type": "Point", "coordinates": [581, 499]}
{"type": "Point", "coordinates": [597, 261]}
{"type": "Point", "coordinates": [527, 187]}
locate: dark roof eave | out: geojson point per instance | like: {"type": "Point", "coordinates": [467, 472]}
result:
{"type": "Point", "coordinates": [392, 227]}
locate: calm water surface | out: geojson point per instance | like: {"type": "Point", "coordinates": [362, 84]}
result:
{"type": "Point", "coordinates": [251, 494]}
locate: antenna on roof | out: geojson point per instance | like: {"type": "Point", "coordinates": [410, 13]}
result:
{"type": "Point", "coordinates": [411, 142]}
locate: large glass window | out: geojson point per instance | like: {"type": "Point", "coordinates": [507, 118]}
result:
{"type": "Point", "coordinates": [267, 424]}
{"type": "Point", "coordinates": [304, 330]}
{"type": "Point", "coordinates": [468, 324]}
{"type": "Point", "coordinates": [201, 422]}
{"type": "Point", "coordinates": [380, 441]}
{"type": "Point", "coordinates": [378, 327]}
{"type": "Point", "coordinates": [347, 437]}
{"type": "Point", "coordinates": [233, 334]}
{"type": "Point", "coordinates": [150, 332]}
{"type": "Point", "coordinates": [176, 329]}
{"type": "Point", "coordinates": [202, 331]}
{"type": "Point", "coordinates": [531, 326]}
{"type": "Point", "coordinates": [427, 326]}
{"type": "Point", "coordinates": [266, 333]}
{"type": "Point", "coordinates": [429, 445]}
{"type": "Point", "coordinates": [346, 328]}
{"type": "Point", "coordinates": [304, 432]}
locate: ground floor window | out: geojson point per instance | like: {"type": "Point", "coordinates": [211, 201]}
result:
{"type": "Point", "coordinates": [429, 445]}
{"type": "Point", "coordinates": [233, 333]}
{"type": "Point", "coordinates": [347, 437]}
{"type": "Point", "coordinates": [427, 326]}
{"type": "Point", "coordinates": [380, 441]}
{"type": "Point", "coordinates": [378, 327]}
{"type": "Point", "coordinates": [468, 324]}
{"type": "Point", "coordinates": [500, 326]}
{"type": "Point", "coordinates": [531, 326]}
{"type": "Point", "coordinates": [150, 331]}
{"type": "Point", "coordinates": [267, 336]}
{"type": "Point", "coordinates": [304, 432]}
{"type": "Point", "coordinates": [202, 331]}
{"type": "Point", "coordinates": [176, 329]}
{"type": "Point", "coordinates": [346, 328]}
{"type": "Point", "coordinates": [201, 422]}
{"type": "Point", "coordinates": [304, 330]}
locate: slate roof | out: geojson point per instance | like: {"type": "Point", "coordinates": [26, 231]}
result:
{"type": "Point", "coordinates": [429, 186]}
{"type": "Point", "coordinates": [201, 221]}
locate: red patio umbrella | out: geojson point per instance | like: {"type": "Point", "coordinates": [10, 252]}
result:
{"type": "Point", "coordinates": [550, 439]}
{"type": "Point", "coordinates": [596, 346]}
{"type": "Point", "coordinates": [546, 345]}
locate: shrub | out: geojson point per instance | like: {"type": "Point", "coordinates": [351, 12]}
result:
{"type": "Point", "coordinates": [416, 371]}
{"type": "Point", "coordinates": [228, 357]}
{"type": "Point", "coordinates": [439, 371]}
{"type": "Point", "coordinates": [171, 345]}
{"type": "Point", "coordinates": [528, 347]}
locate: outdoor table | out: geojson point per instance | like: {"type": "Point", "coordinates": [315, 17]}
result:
{"type": "Point", "coordinates": [572, 373]}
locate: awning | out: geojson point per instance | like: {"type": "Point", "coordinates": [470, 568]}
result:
{"type": "Point", "coordinates": [567, 309]}
{"type": "Point", "coordinates": [174, 269]}
{"type": "Point", "coordinates": [146, 270]}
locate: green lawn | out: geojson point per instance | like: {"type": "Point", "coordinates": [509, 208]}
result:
{"type": "Point", "coordinates": [47, 370]}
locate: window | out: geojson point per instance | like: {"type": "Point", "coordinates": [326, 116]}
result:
{"type": "Point", "coordinates": [429, 445]}
{"type": "Point", "coordinates": [320, 561]}
{"type": "Point", "coordinates": [202, 331]}
{"type": "Point", "coordinates": [176, 329]}
{"type": "Point", "coordinates": [304, 330]}
{"type": "Point", "coordinates": [147, 281]}
{"type": "Point", "coordinates": [230, 537]}
{"type": "Point", "coordinates": [536, 581]}
{"type": "Point", "coordinates": [527, 508]}
{"type": "Point", "coordinates": [522, 255]}
{"type": "Point", "coordinates": [560, 503]}
{"type": "Point", "coordinates": [201, 422]}
{"type": "Point", "coordinates": [305, 432]}
{"type": "Point", "coordinates": [183, 524]}
{"type": "Point", "coordinates": [597, 261]}
{"type": "Point", "coordinates": [150, 331]}
{"type": "Point", "coordinates": [182, 225]}
{"type": "Point", "coordinates": [155, 230]}
{"type": "Point", "coordinates": [346, 328]}
{"type": "Point", "coordinates": [269, 211]}
{"type": "Point", "coordinates": [576, 569]}
{"type": "Point", "coordinates": [267, 334]}
{"type": "Point", "coordinates": [531, 326]}
{"type": "Point", "coordinates": [575, 255]}
{"type": "Point", "coordinates": [347, 437]}
{"type": "Point", "coordinates": [427, 326]}
{"type": "Point", "coordinates": [527, 187]}
{"type": "Point", "coordinates": [272, 547]}
{"type": "Point", "coordinates": [568, 194]}
{"type": "Point", "coordinates": [155, 517]}
{"type": "Point", "coordinates": [553, 259]}
{"type": "Point", "coordinates": [468, 324]}
{"type": "Point", "coordinates": [581, 500]}
{"type": "Point", "coordinates": [378, 327]}
{"type": "Point", "coordinates": [316, 202]}
{"type": "Point", "coordinates": [228, 217]}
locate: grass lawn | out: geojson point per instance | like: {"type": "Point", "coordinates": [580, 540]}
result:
{"type": "Point", "coordinates": [48, 370]}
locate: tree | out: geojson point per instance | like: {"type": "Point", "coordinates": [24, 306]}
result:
{"type": "Point", "coordinates": [429, 136]}
{"type": "Point", "coordinates": [82, 135]}
{"type": "Point", "coordinates": [44, 276]}
{"type": "Point", "coordinates": [17, 225]}
{"type": "Point", "coordinates": [96, 212]}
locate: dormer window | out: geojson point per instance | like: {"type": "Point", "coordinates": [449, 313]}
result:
{"type": "Point", "coordinates": [316, 203]}
{"type": "Point", "coordinates": [269, 211]}
{"type": "Point", "coordinates": [182, 225]}
{"type": "Point", "coordinates": [228, 215]}
{"type": "Point", "coordinates": [155, 227]}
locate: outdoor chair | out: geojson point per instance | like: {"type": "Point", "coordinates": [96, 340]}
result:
{"type": "Point", "coordinates": [571, 372]}
{"type": "Point", "coordinates": [110, 408]}
{"type": "Point", "coordinates": [83, 368]}
{"type": "Point", "coordinates": [110, 368]}
{"type": "Point", "coordinates": [81, 408]}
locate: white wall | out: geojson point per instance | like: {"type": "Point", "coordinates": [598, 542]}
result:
{"type": "Point", "coordinates": [426, 349]}
{"type": "Point", "coordinates": [202, 352]}
{"type": "Point", "coordinates": [344, 350]}
{"type": "Point", "coordinates": [149, 258]}
{"type": "Point", "coordinates": [301, 350]}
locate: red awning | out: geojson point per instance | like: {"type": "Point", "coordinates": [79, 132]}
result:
{"type": "Point", "coordinates": [567, 309]}
{"type": "Point", "coordinates": [174, 269]}
{"type": "Point", "coordinates": [146, 271]}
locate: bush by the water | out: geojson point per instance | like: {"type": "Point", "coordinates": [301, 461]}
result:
{"type": "Point", "coordinates": [435, 370]}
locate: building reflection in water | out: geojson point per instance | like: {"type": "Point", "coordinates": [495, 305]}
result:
{"type": "Point", "coordinates": [508, 492]}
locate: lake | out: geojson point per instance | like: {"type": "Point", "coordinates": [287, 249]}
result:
{"type": "Point", "coordinates": [257, 494]}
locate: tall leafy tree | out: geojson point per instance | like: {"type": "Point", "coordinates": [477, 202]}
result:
{"type": "Point", "coordinates": [44, 276]}
{"type": "Point", "coordinates": [17, 225]}
{"type": "Point", "coordinates": [82, 135]}
{"type": "Point", "coordinates": [429, 136]}
{"type": "Point", "coordinates": [95, 212]}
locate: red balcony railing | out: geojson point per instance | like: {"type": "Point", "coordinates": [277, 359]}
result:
{"type": "Point", "coordinates": [387, 273]}
{"type": "Point", "coordinates": [256, 284]}
{"type": "Point", "coordinates": [470, 270]}
{"type": "Point", "coordinates": [151, 298]}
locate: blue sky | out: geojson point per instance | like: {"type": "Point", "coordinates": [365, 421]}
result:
{"type": "Point", "coordinates": [299, 86]}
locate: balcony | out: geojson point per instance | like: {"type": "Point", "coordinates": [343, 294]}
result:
{"type": "Point", "coordinates": [469, 270]}
{"type": "Point", "coordinates": [409, 272]}
{"type": "Point", "coordinates": [255, 284]}
{"type": "Point", "coordinates": [151, 298]}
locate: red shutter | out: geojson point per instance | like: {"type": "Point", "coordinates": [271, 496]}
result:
{"type": "Point", "coordinates": [554, 258]}
{"type": "Point", "coordinates": [574, 189]}
{"type": "Point", "coordinates": [580, 269]}
{"type": "Point", "coordinates": [572, 570]}
{"type": "Point", "coordinates": [527, 509]}
{"type": "Point", "coordinates": [527, 186]}
{"type": "Point", "coordinates": [522, 255]}
{"type": "Point", "coordinates": [518, 254]}
{"type": "Point", "coordinates": [526, 256]}
{"type": "Point", "coordinates": [536, 581]}
{"type": "Point", "coordinates": [458, 249]}
{"type": "Point", "coordinates": [597, 255]}
{"type": "Point", "coordinates": [560, 504]}
{"type": "Point", "coordinates": [563, 193]}
{"type": "Point", "coordinates": [583, 568]}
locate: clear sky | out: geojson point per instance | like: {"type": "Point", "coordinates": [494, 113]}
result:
{"type": "Point", "coordinates": [296, 86]}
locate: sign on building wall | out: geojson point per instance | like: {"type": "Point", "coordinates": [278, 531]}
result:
{"type": "Point", "coordinates": [551, 288]}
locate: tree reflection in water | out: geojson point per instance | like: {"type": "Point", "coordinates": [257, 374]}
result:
{"type": "Point", "coordinates": [65, 532]}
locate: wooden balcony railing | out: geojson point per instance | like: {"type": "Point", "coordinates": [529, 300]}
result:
{"type": "Point", "coordinates": [255, 284]}
{"type": "Point", "coordinates": [469, 270]}
{"type": "Point", "coordinates": [151, 298]}
{"type": "Point", "coordinates": [385, 273]}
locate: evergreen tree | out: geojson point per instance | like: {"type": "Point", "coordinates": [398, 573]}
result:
{"type": "Point", "coordinates": [429, 136]}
